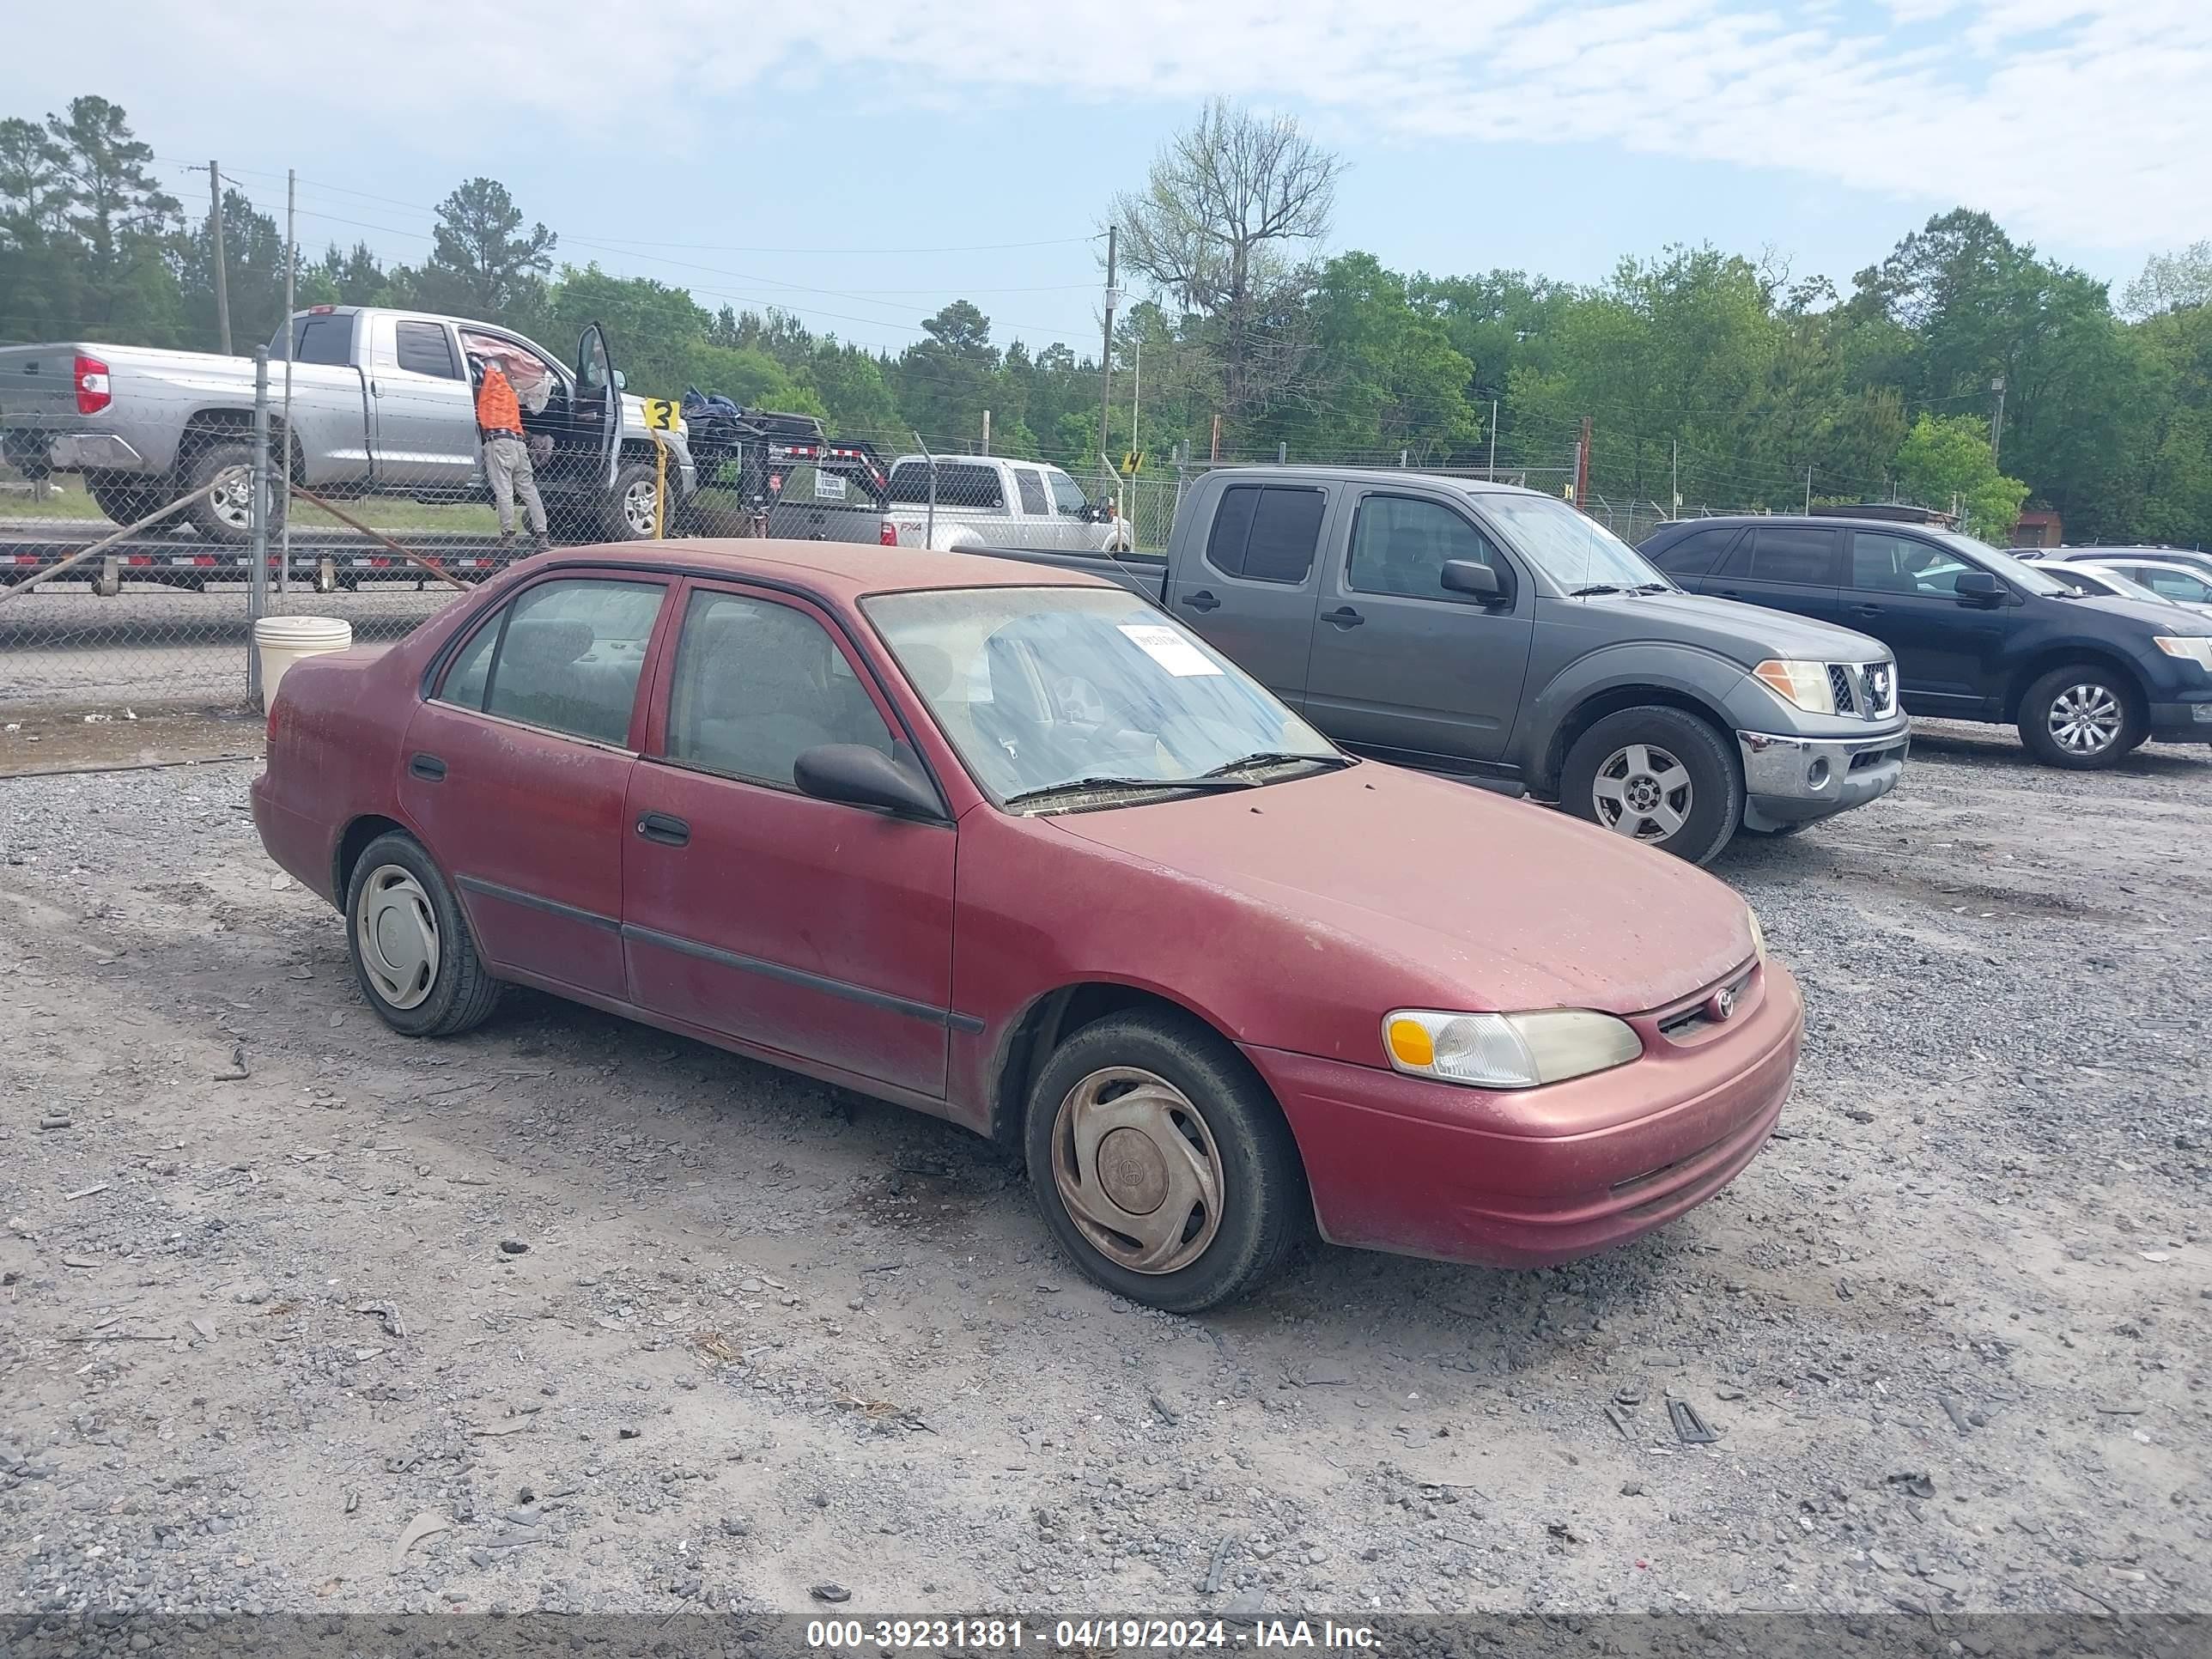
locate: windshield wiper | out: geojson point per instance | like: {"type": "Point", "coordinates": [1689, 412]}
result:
{"type": "Point", "coordinates": [1652, 587]}
{"type": "Point", "coordinates": [1277, 757]}
{"type": "Point", "coordinates": [1593, 589]}
{"type": "Point", "coordinates": [1208, 785]}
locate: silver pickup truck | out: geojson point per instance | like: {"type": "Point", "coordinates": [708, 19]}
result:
{"type": "Point", "coordinates": [963, 504]}
{"type": "Point", "coordinates": [382, 405]}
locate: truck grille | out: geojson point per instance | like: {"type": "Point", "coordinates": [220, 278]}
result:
{"type": "Point", "coordinates": [1867, 690]}
{"type": "Point", "coordinates": [1840, 683]}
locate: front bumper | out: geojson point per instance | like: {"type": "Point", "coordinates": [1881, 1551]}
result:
{"type": "Point", "coordinates": [2182, 722]}
{"type": "Point", "coordinates": [1527, 1179]}
{"type": "Point", "coordinates": [1790, 780]}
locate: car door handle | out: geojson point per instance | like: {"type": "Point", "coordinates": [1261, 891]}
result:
{"type": "Point", "coordinates": [1726, 593]}
{"type": "Point", "coordinates": [669, 832]}
{"type": "Point", "coordinates": [1202, 600]}
{"type": "Point", "coordinates": [1866, 610]}
{"type": "Point", "coordinates": [428, 768]}
{"type": "Point", "coordinates": [1344, 616]}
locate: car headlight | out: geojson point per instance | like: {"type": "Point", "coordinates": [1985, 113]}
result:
{"type": "Point", "coordinates": [2190, 648]}
{"type": "Point", "coordinates": [1758, 934]}
{"type": "Point", "coordinates": [1801, 684]}
{"type": "Point", "coordinates": [1507, 1051]}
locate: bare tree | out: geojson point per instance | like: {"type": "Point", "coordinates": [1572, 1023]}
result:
{"type": "Point", "coordinates": [1223, 215]}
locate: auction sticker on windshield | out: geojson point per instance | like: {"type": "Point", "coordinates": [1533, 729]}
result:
{"type": "Point", "coordinates": [1169, 649]}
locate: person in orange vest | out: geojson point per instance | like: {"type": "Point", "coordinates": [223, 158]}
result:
{"type": "Point", "coordinates": [506, 455]}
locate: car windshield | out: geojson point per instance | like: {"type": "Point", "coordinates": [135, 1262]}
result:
{"type": "Point", "coordinates": [1572, 549]}
{"type": "Point", "coordinates": [1043, 690]}
{"type": "Point", "coordinates": [2029, 578]}
{"type": "Point", "coordinates": [2109, 583]}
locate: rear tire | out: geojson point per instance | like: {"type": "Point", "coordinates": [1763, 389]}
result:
{"type": "Point", "coordinates": [1659, 776]}
{"type": "Point", "coordinates": [1162, 1163]}
{"type": "Point", "coordinates": [218, 475]}
{"type": "Point", "coordinates": [122, 498]}
{"type": "Point", "coordinates": [413, 955]}
{"type": "Point", "coordinates": [2082, 717]}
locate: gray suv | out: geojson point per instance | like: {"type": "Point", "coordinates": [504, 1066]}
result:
{"type": "Point", "coordinates": [1498, 633]}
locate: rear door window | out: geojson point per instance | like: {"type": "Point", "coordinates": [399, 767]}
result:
{"type": "Point", "coordinates": [1796, 555]}
{"type": "Point", "coordinates": [565, 656]}
{"type": "Point", "coordinates": [1034, 504]}
{"type": "Point", "coordinates": [424, 348]}
{"type": "Point", "coordinates": [1266, 533]}
{"type": "Point", "coordinates": [323, 340]}
{"type": "Point", "coordinates": [1697, 553]}
{"type": "Point", "coordinates": [959, 484]}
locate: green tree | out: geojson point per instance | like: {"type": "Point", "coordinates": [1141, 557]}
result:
{"type": "Point", "coordinates": [1381, 375]}
{"type": "Point", "coordinates": [482, 262]}
{"type": "Point", "coordinates": [121, 222]}
{"type": "Point", "coordinates": [1946, 462]}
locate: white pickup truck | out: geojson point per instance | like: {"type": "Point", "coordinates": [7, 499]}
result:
{"type": "Point", "coordinates": [986, 500]}
{"type": "Point", "coordinates": [382, 405]}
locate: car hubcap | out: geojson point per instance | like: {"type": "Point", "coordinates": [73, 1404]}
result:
{"type": "Point", "coordinates": [639, 502]}
{"type": "Point", "coordinates": [1137, 1169]}
{"type": "Point", "coordinates": [231, 496]}
{"type": "Point", "coordinates": [2085, 720]}
{"type": "Point", "coordinates": [1642, 792]}
{"type": "Point", "coordinates": [396, 931]}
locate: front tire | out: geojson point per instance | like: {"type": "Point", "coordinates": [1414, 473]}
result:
{"type": "Point", "coordinates": [1659, 776]}
{"type": "Point", "coordinates": [627, 512]}
{"type": "Point", "coordinates": [2082, 717]}
{"type": "Point", "coordinates": [413, 955]}
{"type": "Point", "coordinates": [1162, 1163]}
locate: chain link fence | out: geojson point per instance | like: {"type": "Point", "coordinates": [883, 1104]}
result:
{"type": "Point", "coordinates": [384, 500]}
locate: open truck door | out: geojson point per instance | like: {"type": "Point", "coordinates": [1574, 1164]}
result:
{"type": "Point", "coordinates": [598, 394]}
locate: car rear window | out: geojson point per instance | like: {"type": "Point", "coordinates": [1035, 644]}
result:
{"type": "Point", "coordinates": [1266, 532]}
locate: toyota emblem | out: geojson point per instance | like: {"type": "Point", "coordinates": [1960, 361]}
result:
{"type": "Point", "coordinates": [1723, 1003]}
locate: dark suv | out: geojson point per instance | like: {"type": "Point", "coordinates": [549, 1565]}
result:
{"type": "Point", "coordinates": [1977, 634]}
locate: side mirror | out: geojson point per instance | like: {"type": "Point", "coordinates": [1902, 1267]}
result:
{"type": "Point", "coordinates": [1979, 587]}
{"type": "Point", "coordinates": [860, 776]}
{"type": "Point", "coordinates": [1474, 578]}
{"type": "Point", "coordinates": [621, 380]}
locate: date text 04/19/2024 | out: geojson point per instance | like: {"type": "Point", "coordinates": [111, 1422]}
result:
{"type": "Point", "coordinates": [1083, 1635]}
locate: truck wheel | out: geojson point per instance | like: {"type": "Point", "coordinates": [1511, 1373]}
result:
{"type": "Point", "coordinates": [2081, 717]}
{"type": "Point", "coordinates": [121, 497]}
{"type": "Point", "coordinates": [1659, 776]}
{"type": "Point", "coordinates": [1162, 1163]}
{"type": "Point", "coordinates": [626, 513]}
{"type": "Point", "coordinates": [412, 951]}
{"type": "Point", "coordinates": [219, 476]}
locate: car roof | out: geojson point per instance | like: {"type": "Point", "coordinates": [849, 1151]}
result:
{"type": "Point", "coordinates": [1797, 521]}
{"type": "Point", "coordinates": [1307, 473]}
{"type": "Point", "coordinates": [846, 570]}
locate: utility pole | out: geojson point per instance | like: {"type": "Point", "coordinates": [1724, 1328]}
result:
{"type": "Point", "coordinates": [1581, 467]}
{"type": "Point", "coordinates": [1808, 486]}
{"type": "Point", "coordinates": [987, 432]}
{"type": "Point", "coordinates": [222, 278]}
{"type": "Point", "coordinates": [291, 299]}
{"type": "Point", "coordinates": [1493, 440]}
{"type": "Point", "coordinates": [1675, 486]}
{"type": "Point", "coordinates": [1106, 352]}
{"type": "Point", "coordinates": [1996, 421]}
{"type": "Point", "coordinates": [1137, 397]}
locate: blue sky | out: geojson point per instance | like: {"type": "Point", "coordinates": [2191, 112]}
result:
{"type": "Point", "coordinates": [807, 156]}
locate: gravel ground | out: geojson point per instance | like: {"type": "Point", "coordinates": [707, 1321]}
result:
{"type": "Point", "coordinates": [570, 1314]}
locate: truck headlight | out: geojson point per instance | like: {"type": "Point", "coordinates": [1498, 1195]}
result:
{"type": "Point", "coordinates": [1507, 1051]}
{"type": "Point", "coordinates": [2190, 648]}
{"type": "Point", "coordinates": [1801, 684]}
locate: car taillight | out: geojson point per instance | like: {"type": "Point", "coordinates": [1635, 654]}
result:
{"type": "Point", "coordinates": [90, 376]}
{"type": "Point", "coordinates": [887, 534]}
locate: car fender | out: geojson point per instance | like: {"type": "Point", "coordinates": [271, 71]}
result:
{"type": "Point", "coordinates": [1684, 675]}
{"type": "Point", "coordinates": [957, 538]}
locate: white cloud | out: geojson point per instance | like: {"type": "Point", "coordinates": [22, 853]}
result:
{"type": "Point", "coordinates": [2083, 120]}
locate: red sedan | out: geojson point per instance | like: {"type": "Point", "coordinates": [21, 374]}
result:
{"type": "Point", "coordinates": [1007, 845]}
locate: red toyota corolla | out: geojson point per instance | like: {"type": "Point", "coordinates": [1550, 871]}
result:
{"type": "Point", "coordinates": [1005, 844]}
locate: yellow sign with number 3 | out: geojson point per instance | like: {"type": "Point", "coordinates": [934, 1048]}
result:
{"type": "Point", "coordinates": [660, 414]}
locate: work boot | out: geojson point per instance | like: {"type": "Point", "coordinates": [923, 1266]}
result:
{"type": "Point", "coordinates": [541, 543]}
{"type": "Point", "coordinates": [505, 542]}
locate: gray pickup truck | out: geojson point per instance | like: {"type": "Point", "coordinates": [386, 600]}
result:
{"type": "Point", "coordinates": [382, 405]}
{"type": "Point", "coordinates": [1498, 633]}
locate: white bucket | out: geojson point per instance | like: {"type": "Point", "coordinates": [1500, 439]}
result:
{"type": "Point", "coordinates": [283, 640]}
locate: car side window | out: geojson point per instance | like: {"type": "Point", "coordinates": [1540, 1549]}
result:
{"type": "Point", "coordinates": [1400, 546]}
{"type": "Point", "coordinates": [1032, 489]}
{"type": "Point", "coordinates": [327, 340]}
{"type": "Point", "coordinates": [1799, 555]}
{"type": "Point", "coordinates": [1698, 552]}
{"type": "Point", "coordinates": [1067, 495]}
{"type": "Point", "coordinates": [424, 348]}
{"type": "Point", "coordinates": [565, 656]}
{"type": "Point", "coordinates": [759, 683]}
{"type": "Point", "coordinates": [2175, 584]}
{"type": "Point", "coordinates": [1266, 533]}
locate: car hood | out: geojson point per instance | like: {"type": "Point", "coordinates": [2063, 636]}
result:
{"type": "Point", "coordinates": [1748, 634]}
{"type": "Point", "coordinates": [2177, 621]}
{"type": "Point", "coordinates": [1492, 902]}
